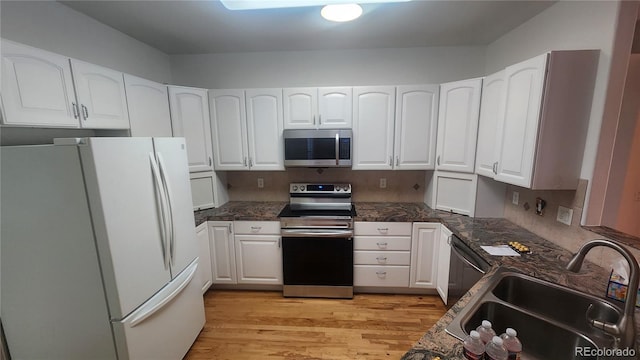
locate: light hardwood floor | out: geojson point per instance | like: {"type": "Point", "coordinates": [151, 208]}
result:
{"type": "Point", "coordinates": [264, 325]}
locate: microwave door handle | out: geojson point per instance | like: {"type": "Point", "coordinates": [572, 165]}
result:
{"type": "Point", "coordinates": [337, 149]}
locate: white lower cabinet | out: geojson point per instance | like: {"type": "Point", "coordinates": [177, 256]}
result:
{"type": "Point", "coordinates": [223, 254]}
{"type": "Point", "coordinates": [424, 247]}
{"type": "Point", "coordinates": [204, 266]}
{"type": "Point", "coordinates": [258, 252]}
{"type": "Point", "coordinates": [381, 254]}
{"type": "Point", "coordinates": [444, 259]}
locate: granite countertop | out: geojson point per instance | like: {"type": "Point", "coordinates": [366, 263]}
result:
{"type": "Point", "coordinates": [546, 261]}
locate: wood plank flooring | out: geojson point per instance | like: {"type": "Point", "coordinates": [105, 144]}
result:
{"type": "Point", "coordinates": [264, 325]}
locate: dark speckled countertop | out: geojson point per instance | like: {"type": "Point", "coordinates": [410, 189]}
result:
{"type": "Point", "coordinates": [546, 261]}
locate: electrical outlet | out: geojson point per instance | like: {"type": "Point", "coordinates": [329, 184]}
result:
{"type": "Point", "coordinates": [260, 183]}
{"type": "Point", "coordinates": [383, 183]}
{"type": "Point", "coordinates": [515, 199]}
{"type": "Point", "coordinates": [565, 215]}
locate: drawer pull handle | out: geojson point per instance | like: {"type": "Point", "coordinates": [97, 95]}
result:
{"type": "Point", "coordinates": [381, 273]}
{"type": "Point", "coordinates": [381, 259]}
{"type": "Point", "coordinates": [256, 228]}
{"type": "Point", "coordinates": [383, 229]}
{"type": "Point", "coordinates": [384, 244]}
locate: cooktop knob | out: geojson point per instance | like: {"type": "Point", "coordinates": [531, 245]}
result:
{"type": "Point", "coordinates": [295, 187]}
{"type": "Point", "coordinates": [301, 187]}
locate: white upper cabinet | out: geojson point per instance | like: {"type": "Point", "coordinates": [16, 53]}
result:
{"type": "Point", "coordinates": [542, 132]}
{"type": "Point", "coordinates": [148, 104]}
{"type": "Point", "coordinates": [415, 127]}
{"type": "Point", "coordinates": [247, 129]}
{"type": "Point", "coordinates": [322, 108]}
{"type": "Point", "coordinates": [300, 108]}
{"type": "Point", "coordinates": [101, 95]}
{"type": "Point", "coordinates": [228, 124]}
{"type": "Point", "coordinates": [458, 125]}
{"type": "Point", "coordinates": [373, 123]}
{"type": "Point", "coordinates": [491, 108]}
{"type": "Point", "coordinates": [518, 128]}
{"type": "Point", "coordinates": [37, 88]}
{"type": "Point", "coordinates": [190, 119]}
{"type": "Point", "coordinates": [264, 129]}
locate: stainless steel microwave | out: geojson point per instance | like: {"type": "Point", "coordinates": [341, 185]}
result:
{"type": "Point", "coordinates": [318, 148]}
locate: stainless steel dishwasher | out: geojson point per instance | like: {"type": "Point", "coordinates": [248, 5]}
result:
{"type": "Point", "coordinates": [465, 269]}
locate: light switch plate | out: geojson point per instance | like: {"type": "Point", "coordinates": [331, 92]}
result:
{"type": "Point", "coordinates": [565, 215]}
{"type": "Point", "coordinates": [515, 199]}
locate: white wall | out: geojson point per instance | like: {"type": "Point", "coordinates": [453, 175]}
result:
{"type": "Point", "coordinates": [52, 26]}
{"type": "Point", "coordinates": [326, 68]}
{"type": "Point", "coordinates": [563, 26]}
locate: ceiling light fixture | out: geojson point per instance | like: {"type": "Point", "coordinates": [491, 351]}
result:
{"type": "Point", "coordinates": [341, 12]}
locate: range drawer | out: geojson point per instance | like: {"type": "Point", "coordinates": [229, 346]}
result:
{"type": "Point", "coordinates": [402, 243]}
{"type": "Point", "coordinates": [382, 228]}
{"type": "Point", "coordinates": [381, 257]}
{"type": "Point", "coordinates": [373, 275]}
{"type": "Point", "coordinates": [257, 227]}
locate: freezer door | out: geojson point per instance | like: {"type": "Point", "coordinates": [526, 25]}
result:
{"type": "Point", "coordinates": [172, 160]}
{"type": "Point", "coordinates": [166, 326]}
{"type": "Point", "coordinates": [125, 209]}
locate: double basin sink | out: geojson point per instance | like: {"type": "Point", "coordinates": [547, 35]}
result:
{"type": "Point", "coordinates": [551, 320]}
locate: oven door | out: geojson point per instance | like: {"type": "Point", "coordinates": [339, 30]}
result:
{"type": "Point", "coordinates": [317, 263]}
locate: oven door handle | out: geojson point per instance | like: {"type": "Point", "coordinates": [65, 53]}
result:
{"type": "Point", "coordinates": [318, 233]}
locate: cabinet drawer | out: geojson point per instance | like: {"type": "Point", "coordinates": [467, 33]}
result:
{"type": "Point", "coordinates": [382, 228]}
{"type": "Point", "coordinates": [382, 243]}
{"type": "Point", "coordinates": [381, 257]}
{"type": "Point", "coordinates": [257, 227]}
{"type": "Point", "coordinates": [373, 275]}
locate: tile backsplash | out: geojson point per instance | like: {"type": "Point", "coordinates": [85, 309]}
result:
{"type": "Point", "coordinates": [402, 186]}
{"type": "Point", "coordinates": [569, 237]}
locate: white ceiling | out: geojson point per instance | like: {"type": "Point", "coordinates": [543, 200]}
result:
{"type": "Point", "coordinates": [195, 27]}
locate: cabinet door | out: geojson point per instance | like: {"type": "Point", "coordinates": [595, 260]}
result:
{"type": "Point", "coordinates": [148, 104]}
{"type": "Point", "coordinates": [300, 108]}
{"type": "Point", "coordinates": [458, 125]}
{"type": "Point", "coordinates": [204, 265]}
{"type": "Point", "coordinates": [101, 96]}
{"type": "Point", "coordinates": [415, 131]}
{"type": "Point", "coordinates": [444, 257]}
{"type": "Point", "coordinates": [264, 129]}
{"type": "Point", "coordinates": [223, 254]}
{"type": "Point", "coordinates": [190, 119]}
{"type": "Point", "coordinates": [518, 128]}
{"type": "Point", "coordinates": [491, 108]}
{"type": "Point", "coordinates": [373, 115]}
{"type": "Point", "coordinates": [229, 122]}
{"type": "Point", "coordinates": [37, 88]}
{"type": "Point", "coordinates": [424, 247]}
{"type": "Point", "coordinates": [335, 107]}
{"type": "Point", "coordinates": [259, 259]}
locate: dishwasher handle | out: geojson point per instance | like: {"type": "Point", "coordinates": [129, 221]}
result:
{"type": "Point", "coordinates": [468, 256]}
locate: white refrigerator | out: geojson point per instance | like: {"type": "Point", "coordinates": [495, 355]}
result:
{"type": "Point", "coordinates": [98, 250]}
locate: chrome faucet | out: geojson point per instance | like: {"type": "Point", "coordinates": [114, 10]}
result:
{"type": "Point", "coordinates": [624, 331]}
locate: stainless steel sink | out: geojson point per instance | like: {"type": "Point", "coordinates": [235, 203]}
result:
{"type": "Point", "coordinates": [551, 320]}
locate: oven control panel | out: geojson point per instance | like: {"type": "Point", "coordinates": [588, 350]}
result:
{"type": "Point", "coordinates": [305, 188]}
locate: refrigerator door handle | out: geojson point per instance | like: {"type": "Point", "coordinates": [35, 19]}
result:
{"type": "Point", "coordinates": [185, 278]}
{"type": "Point", "coordinates": [159, 189]}
{"type": "Point", "coordinates": [167, 188]}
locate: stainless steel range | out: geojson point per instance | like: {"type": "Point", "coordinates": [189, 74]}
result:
{"type": "Point", "coordinates": [317, 241]}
